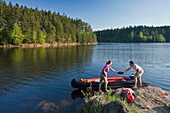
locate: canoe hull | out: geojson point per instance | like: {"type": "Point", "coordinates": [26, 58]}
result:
{"type": "Point", "coordinates": [113, 85]}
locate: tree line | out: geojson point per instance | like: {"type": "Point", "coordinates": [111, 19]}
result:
{"type": "Point", "coordinates": [135, 34]}
{"type": "Point", "coordinates": [19, 24]}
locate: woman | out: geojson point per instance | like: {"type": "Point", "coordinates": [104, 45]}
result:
{"type": "Point", "coordinates": [103, 75]}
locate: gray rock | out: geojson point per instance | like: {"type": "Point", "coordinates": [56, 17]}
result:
{"type": "Point", "coordinates": [115, 107]}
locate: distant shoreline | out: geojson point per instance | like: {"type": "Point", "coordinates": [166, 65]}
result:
{"type": "Point", "coordinates": [133, 42]}
{"type": "Point", "coordinates": [44, 45]}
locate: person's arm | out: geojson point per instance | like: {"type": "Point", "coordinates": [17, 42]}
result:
{"type": "Point", "coordinates": [113, 70]}
{"type": "Point", "coordinates": [127, 70]}
{"type": "Point", "coordinates": [137, 71]}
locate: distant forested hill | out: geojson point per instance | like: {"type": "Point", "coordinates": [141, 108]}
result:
{"type": "Point", "coordinates": [135, 34]}
{"type": "Point", "coordinates": [19, 24]}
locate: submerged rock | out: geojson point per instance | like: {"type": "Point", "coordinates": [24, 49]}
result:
{"type": "Point", "coordinates": [65, 102]}
{"type": "Point", "coordinates": [47, 107]}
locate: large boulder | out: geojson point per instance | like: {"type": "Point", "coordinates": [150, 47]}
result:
{"type": "Point", "coordinates": [93, 104]}
{"type": "Point", "coordinates": [115, 107]}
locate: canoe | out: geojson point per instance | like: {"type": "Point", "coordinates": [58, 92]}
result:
{"type": "Point", "coordinates": [113, 83]}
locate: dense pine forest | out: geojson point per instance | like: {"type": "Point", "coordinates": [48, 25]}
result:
{"type": "Point", "coordinates": [135, 34]}
{"type": "Point", "coordinates": [19, 24]}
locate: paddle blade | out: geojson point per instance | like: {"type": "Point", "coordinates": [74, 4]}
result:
{"type": "Point", "coordinates": [120, 72]}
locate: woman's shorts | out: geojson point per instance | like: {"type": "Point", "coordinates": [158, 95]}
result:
{"type": "Point", "coordinates": [139, 74]}
{"type": "Point", "coordinates": [103, 77]}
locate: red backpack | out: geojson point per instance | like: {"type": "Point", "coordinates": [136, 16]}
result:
{"type": "Point", "coordinates": [128, 95]}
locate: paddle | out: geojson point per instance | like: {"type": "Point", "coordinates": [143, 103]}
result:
{"type": "Point", "coordinates": [120, 73]}
{"type": "Point", "coordinates": [141, 101]}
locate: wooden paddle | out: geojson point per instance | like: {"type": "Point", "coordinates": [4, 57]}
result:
{"type": "Point", "coordinates": [141, 101]}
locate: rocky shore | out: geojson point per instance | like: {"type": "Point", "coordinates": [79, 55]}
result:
{"type": "Point", "coordinates": [157, 99]}
{"type": "Point", "coordinates": [45, 45]}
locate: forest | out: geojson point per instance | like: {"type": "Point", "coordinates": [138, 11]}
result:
{"type": "Point", "coordinates": [19, 25]}
{"type": "Point", "coordinates": [135, 34]}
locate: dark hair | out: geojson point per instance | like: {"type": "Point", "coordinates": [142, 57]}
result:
{"type": "Point", "coordinates": [131, 62]}
{"type": "Point", "coordinates": [109, 62]}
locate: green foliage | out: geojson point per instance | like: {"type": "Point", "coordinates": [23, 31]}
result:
{"type": "Point", "coordinates": [135, 34]}
{"type": "Point", "coordinates": [17, 36]}
{"type": "Point", "coordinates": [92, 109]}
{"type": "Point", "coordinates": [143, 39]}
{"type": "Point", "coordinates": [55, 27]}
{"type": "Point", "coordinates": [110, 96]}
{"type": "Point", "coordinates": [161, 38]}
{"type": "Point", "coordinates": [34, 36]}
{"type": "Point", "coordinates": [88, 92]}
{"type": "Point", "coordinates": [141, 35]}
{"type": "Point", "coordinates": [41, 37]}
{"type": "Point", "coordinates": [132, 35]}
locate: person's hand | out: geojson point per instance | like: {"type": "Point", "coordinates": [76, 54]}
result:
{"type": "Point", "coordinates": [120, 72]}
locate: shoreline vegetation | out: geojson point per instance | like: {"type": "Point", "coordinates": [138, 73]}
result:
{"type": "Point", "coordinates": [135, 34]}
{"type": "Point", "coordinates": [21, 25]}
{"type": "Point", "coordinates": [45, 45]}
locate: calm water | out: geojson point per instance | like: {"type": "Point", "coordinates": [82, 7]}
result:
{"type": "Point", "coordinates": [31, 78]}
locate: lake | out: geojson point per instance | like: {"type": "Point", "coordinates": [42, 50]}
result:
{"type": "Point", "coordinates": [33, 77]}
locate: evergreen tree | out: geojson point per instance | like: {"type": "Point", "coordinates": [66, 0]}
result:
{"type": "Point", "coordinates": [16, 35]}
{"type": "Point", "coordinates": [41, 37]}
{"type": "Point", "coordinates": [34, 36]}
{"type": "Point", "coordinates": [51, 31]}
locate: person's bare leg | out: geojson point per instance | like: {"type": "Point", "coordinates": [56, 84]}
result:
{"type": "Point", "coordinates": [100, 87]}
{"type": "Point", "coordinates": [140, 81]}
{"type": "Point", "coordinates": [106, 88]}
{"type": "Point", "coordinates": [135, 82]}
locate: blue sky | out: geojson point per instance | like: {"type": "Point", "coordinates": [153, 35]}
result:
{"type": "Point", "coordinates": [106, 14]}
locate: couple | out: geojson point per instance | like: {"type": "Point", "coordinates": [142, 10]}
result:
{"type": "Point", "coordinates": [103, 74]}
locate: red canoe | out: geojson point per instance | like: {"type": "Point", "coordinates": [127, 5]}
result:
{"type": "Point", "coordinates": [113, 82]}
{"type": "Point", "coordinates": [109, 79]}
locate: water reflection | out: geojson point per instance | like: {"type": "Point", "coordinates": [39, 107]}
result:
{"type": "Point", "coordinates": [76, 94]}
{"type": "Point", "coordinates": [34, 66]}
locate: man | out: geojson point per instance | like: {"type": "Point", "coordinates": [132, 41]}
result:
{"type": "Point", "coordinates": [138, 74]}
